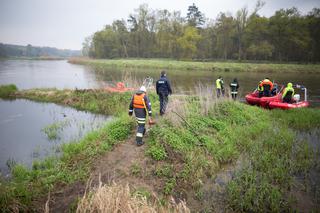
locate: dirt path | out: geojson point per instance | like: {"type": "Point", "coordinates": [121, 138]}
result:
{"type": "Point", "coordinates": [116, 165]}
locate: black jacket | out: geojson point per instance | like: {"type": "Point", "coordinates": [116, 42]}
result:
{"type": "Point", "coordinates": [234, 86]}
{"type": "Point", "coordinates": [163, 86]}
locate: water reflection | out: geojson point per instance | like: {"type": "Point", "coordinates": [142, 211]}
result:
{"type": "Point", "coordinates": [185, 82]}
{"type": "Point", "coordinates": [23, 124]}
{"type": "Point", "coordinates": [28, 74]}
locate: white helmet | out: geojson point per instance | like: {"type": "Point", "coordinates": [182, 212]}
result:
{"type": "Point", "coordinates": [143, 89]}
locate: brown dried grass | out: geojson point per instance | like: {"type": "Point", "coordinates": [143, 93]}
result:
{"type": "Point", "coordinates": [130, 81]}
{"type": "Point", "coordinates": [177, 107]}
{"type": "Point", "coordinates": [120, 199]}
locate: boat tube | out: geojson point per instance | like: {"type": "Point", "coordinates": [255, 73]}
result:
{"type": "Point", "coordinates": [296, 103]}
{"type": "Point", "coordinates": [254, 99]}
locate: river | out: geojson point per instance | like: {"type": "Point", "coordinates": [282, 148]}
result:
{"type": "Point", "coordinates": [28, 74]}
{"type": "Point", "coordinates": [23, 123]}
{"type": "Point", "coordinates": [31, 131]}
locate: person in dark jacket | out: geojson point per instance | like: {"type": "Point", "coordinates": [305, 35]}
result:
{"type": "Point", "coordinates": [141, 105]}
{"type": "Point", "coordinates": [163, 89]}
{"type": "Point", "coordinates": [234, 86]}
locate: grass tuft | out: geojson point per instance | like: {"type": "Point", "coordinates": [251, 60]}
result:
{"type": "Point", "coordinates": [7, 90]}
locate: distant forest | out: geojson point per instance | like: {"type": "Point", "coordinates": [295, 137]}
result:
{"type": "Point", "coordinates": [287, 35]}
{"type": "Point", "coordinates": [10, 50]}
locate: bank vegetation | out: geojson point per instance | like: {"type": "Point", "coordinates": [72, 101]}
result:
{"type": "Point", "coordinates": [187, 150]}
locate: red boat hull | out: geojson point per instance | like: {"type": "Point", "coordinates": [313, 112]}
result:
{"type": "Point", "coordinates": [281, 105]}
{"type": "Point", "coordinates": [253, 99]}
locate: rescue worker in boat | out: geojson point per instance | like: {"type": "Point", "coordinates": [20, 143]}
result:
{"type": "Point", "coordinates": [220, 87]}
{"type": "Point", "coordinates": [234, 86]}
{"type": "Point", "coordinates": [260, 89]}
{"type": "Point", "coordinates": [141, 105]}
{"type": "Point", "coordinates": [267, 87]}
{"type": "Point", "coordinates": [288, 93]}
{"type": "Point", "coordinates": [163, 89]}
{"type": "Point", "coordinates": [274, 90]}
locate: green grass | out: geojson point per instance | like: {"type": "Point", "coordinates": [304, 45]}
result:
{"type": "Point", "coordinates": [74, 164]}
{"type": "Point", "coordinates": [191, 65]}
{"type": "Point", "coordinates": [7, 90]}
{"type": "Point", "coordinates": [267, 139]}
{"type": "Point", "coordinates": [52, 131]}
{"type": "Point", "coordinates": [77, 157]}
{"type": "Point", "coordinates": [96, 101]}
{"type": "Point", "coordinates": [185, 151]}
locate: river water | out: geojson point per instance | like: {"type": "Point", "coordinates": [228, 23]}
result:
{"type": "Point", "coordinates": [28, 74]}
{"type": "Point", "coordinates": [22, 122]}
{"type": "Point", "coordinates": [31, 130]}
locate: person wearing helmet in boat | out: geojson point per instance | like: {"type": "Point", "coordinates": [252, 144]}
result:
{"type": "Point", "coordinates": [260, 89]}
{"type": "Point", "coordinates": [163, 89]}
{"type": "Point", "coordinates": [288, 93]}
{"type": "Point", "coordinates": [140, 105]}
{"type": "Point", "coordinates": [267, 86]}
{"type": "Point", "coordinates": [234, 86]}
{"type": "Point", "coordinates": [220, 87]}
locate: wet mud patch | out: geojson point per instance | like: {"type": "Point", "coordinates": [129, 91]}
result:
{"type": "Point", "coordinates": [306, 187]}
{"type": "Point", "coordinates": [211, 196]}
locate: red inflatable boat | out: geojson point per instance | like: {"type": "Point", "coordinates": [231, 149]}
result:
{"type": "Point", "coordinates": [282, 105]}
{"type": "Point", "coordinates": [296, 103]}
{"type": "Point", "coordinates": [253, 98]}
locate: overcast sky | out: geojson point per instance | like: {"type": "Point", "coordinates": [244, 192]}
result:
{"type": "Point", "coordinates": [65, 23]}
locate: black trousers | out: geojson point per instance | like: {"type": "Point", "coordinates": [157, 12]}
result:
{"type": "Point", "coordinates": [266, 93]}
{"type": "Point", "coordinates": [234, 95]}
{"type": "Point", "coordinates": [141, 120]}
{"type": "Point", "coordinates": [163, 98]}
{"type": "Point", "coordinates": [287, 99]}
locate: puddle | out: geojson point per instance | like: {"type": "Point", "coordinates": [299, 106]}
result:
{"type": "Point", "coordinates": [306, 188]}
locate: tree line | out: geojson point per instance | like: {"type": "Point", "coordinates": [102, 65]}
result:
{"type": "Point", "coordinates": [287, 35]}
{"type": "Point", "coordinates": [10, 50]}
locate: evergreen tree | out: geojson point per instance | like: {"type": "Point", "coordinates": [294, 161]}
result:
{"type": "Point", "coordinates": [194, 17]}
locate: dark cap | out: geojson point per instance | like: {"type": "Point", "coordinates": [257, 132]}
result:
{"type": "Point", "coordinates": [163, 73]}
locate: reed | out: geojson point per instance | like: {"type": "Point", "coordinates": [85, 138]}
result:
{"type": "Point", "coordinates": [120, 198]}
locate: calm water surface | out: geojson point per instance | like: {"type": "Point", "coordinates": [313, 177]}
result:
{"type": "Point", "coordinates": [186, 82]}
{"type": "Point", "coordinates": [23, 124]}
{"type": "Point", "coordinates": [28, 74]}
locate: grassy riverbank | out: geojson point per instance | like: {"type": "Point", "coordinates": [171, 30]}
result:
{"type": "Point", "coordinates": [26, 186]}
{"type": "Point", "coordinates": [198, 139]}
{"type": "Point", "coordinates": [186, 153]}
{"type": "Point", "coordinates": [199, 66]}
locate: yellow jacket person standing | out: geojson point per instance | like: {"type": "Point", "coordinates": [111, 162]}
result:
{"type": "Point", "coordinates": [220, 87]}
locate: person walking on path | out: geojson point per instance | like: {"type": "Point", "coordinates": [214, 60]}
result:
{"type": "Point", "coordinates": [163, 89]}
{"type": "Point", "coordinates": [140, 105]}
{"type": "Point", "coordinates": [234, 86]}
{"type": "Point", "coordinates": [220, 87]}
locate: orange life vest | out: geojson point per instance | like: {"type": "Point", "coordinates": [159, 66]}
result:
{"type": "Point", "coordinates": [138, 101]}
{"type": "Point", "coordinates": [267, 82]}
